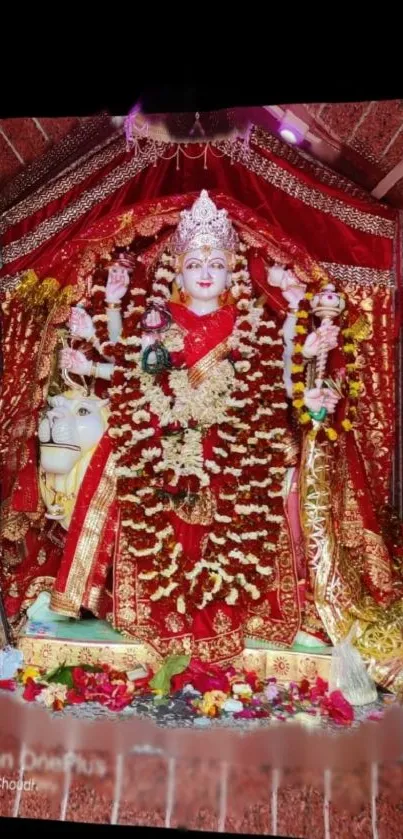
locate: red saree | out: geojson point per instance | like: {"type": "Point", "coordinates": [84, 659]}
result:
{"type": "Point", "coordinates": [216, 632]}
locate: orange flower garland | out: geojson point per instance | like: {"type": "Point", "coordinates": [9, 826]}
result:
{"type": "Point", "coordinates": [351, 387]}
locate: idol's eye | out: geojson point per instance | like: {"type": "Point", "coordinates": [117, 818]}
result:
{"type": "Point", "coordinates": [83, 412]}
{"type": "Point", "coordinates": [193, 266]}
{"type": "Point", "coordinates": [218, 266]}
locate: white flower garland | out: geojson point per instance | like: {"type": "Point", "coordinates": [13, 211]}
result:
{"type": "Point", "coordinates": [219, 401]}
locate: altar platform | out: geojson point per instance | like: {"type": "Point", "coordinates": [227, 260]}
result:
{"type": "Point", "coordinates": [50, 644]}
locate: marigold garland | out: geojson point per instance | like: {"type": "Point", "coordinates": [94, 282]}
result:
{"type": "Point", "coordinates": [351, 386]}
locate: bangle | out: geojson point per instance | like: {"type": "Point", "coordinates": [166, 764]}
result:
{"type": "Point", "coordinates": [93, 372]}
{"type": "Point", "coordinates": [319, 416]}
{"type": "Point", "coordinates": [113, 305]}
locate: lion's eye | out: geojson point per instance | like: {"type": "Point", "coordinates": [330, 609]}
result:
{"type": "Point", "coordinates": [83, 412]}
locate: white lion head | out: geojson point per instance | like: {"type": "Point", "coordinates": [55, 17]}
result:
{"type": "Point", "coordinates": [72, 426]}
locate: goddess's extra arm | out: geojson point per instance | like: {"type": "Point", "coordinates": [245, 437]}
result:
{"type": "Point", "coordinates": [114, 323]}
{"type": "Point", "coordinates": [75, 362]}
{"type": "Point", "coordinates": [81, 326]}
{"type": "Point", "coordinates": [116, 287]}
{"type": "Point", "coordinates": [324, 337]}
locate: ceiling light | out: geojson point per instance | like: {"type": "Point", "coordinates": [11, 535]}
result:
{"type": "Point", "coordinates": [289, 136]}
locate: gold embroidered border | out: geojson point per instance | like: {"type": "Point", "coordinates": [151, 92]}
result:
{"type": "Point", "coordinates": [222, 648]}
{"type": "Point", "coordinates": [316, 521]}
{"type": "Point", "coordinates": [126, 599]}
{"type": "Point", "coordinates": [161, 647]}
{"type": "Point", "coordinates": [86, 549]}
{"type": "Point", "coordinates": [377, 561]}
{"type": "Point", "coordinates": [378, 630]}
{"type": "Point", "coordinates": [298, 158]}
{"type": "Point", "coordinates": [115, 145]}
{"type": "Point", "coordinates": [201, 370]}
{"type": "Point", "coordinates": [292, 185]}
{"type": "Point", "coordinates": [35, 174]}
{"type": "Point", "coordinates": [61, 604]}
{"type": "Point", "coordinates": [238, 152]}
{"type": "Point", "coordinates": [262, 627]}
{"type": "Point", "coordinates": [10, 281]}
{"type": "Point", "coordinates": [358, 274]}
{"type": "Point", "coordinates": [94, 599]}
{"type": "Point", "coordinates": [73, 175]}
{"type": "Point", "coordinates": [148, 154]}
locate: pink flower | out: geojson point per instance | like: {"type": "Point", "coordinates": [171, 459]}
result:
{"type": "Point", "coordinates": [80, 677]}
{"type": "Point", "coordinates": [319, 689]}
{"type": "Point", "coordinates": [271, 691]}
{"type": "Point", "coordinates": [74, 698]}
{"type": "Point", "coordinates": [143, 682]}
{"type": "Point", "coordinates": [203, 677]}
{"type": "Point", "coordinates": [7, 684]}
{"type": "Point", "coordinates": [120, 699]}
{"type": "Point", "coordinates": [32, 690]}
{"type": "Point", "coordinates": [108, 688]}
{"type": "Point", "coordinates": [114, 675]}
{"type": "Point", "coordinates": [252, 679]}
{"type": "Point", "coordinates": [251, 714]}
{"type": "Point", "coordinates": [338, 708]}
{"type": "Point", "coordinates": [304, 689]}
{"type": "Point", "coordinates": [375, 716]}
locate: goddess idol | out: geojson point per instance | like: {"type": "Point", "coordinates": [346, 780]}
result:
{"type": "Point", "coordinates": [202, 485]}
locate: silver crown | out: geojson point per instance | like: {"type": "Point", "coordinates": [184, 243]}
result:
{"type": "Point", "coordinates": [204, 226]}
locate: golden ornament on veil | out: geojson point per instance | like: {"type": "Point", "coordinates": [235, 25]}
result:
{"type": "Point", "coordinates": [361, 329]}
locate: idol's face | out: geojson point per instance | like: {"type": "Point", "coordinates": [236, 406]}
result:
{"type": "Point", "coordinates": [205, 273]}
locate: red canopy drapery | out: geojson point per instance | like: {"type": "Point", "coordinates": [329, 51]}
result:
{"type": "Point", "coordinates": [342, 229]}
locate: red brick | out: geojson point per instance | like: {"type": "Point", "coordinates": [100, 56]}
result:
{"type": "Point", "coordinates": [341, 118]}
{"type": "Point", "coordinates": [395, 153]}
{"type": "Point", "coordinates": [9, 163]}
{"type": "Point", "coordinates": [25, 137]}
{"type": "Point", "coordinates": [380, 125]}
{"type": "Point", "coordinates": [56, 129]}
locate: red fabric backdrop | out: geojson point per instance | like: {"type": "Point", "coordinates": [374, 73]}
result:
{"type": "Point", "coordinates": [323, 234]}
{"type": "Point", "coordinates": [334, 225]}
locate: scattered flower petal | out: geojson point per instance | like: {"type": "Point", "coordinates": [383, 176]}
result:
{"type": "Point", "coordinates": [32, 690]}
{"type": "Point", "coordinates": [8, 684]}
